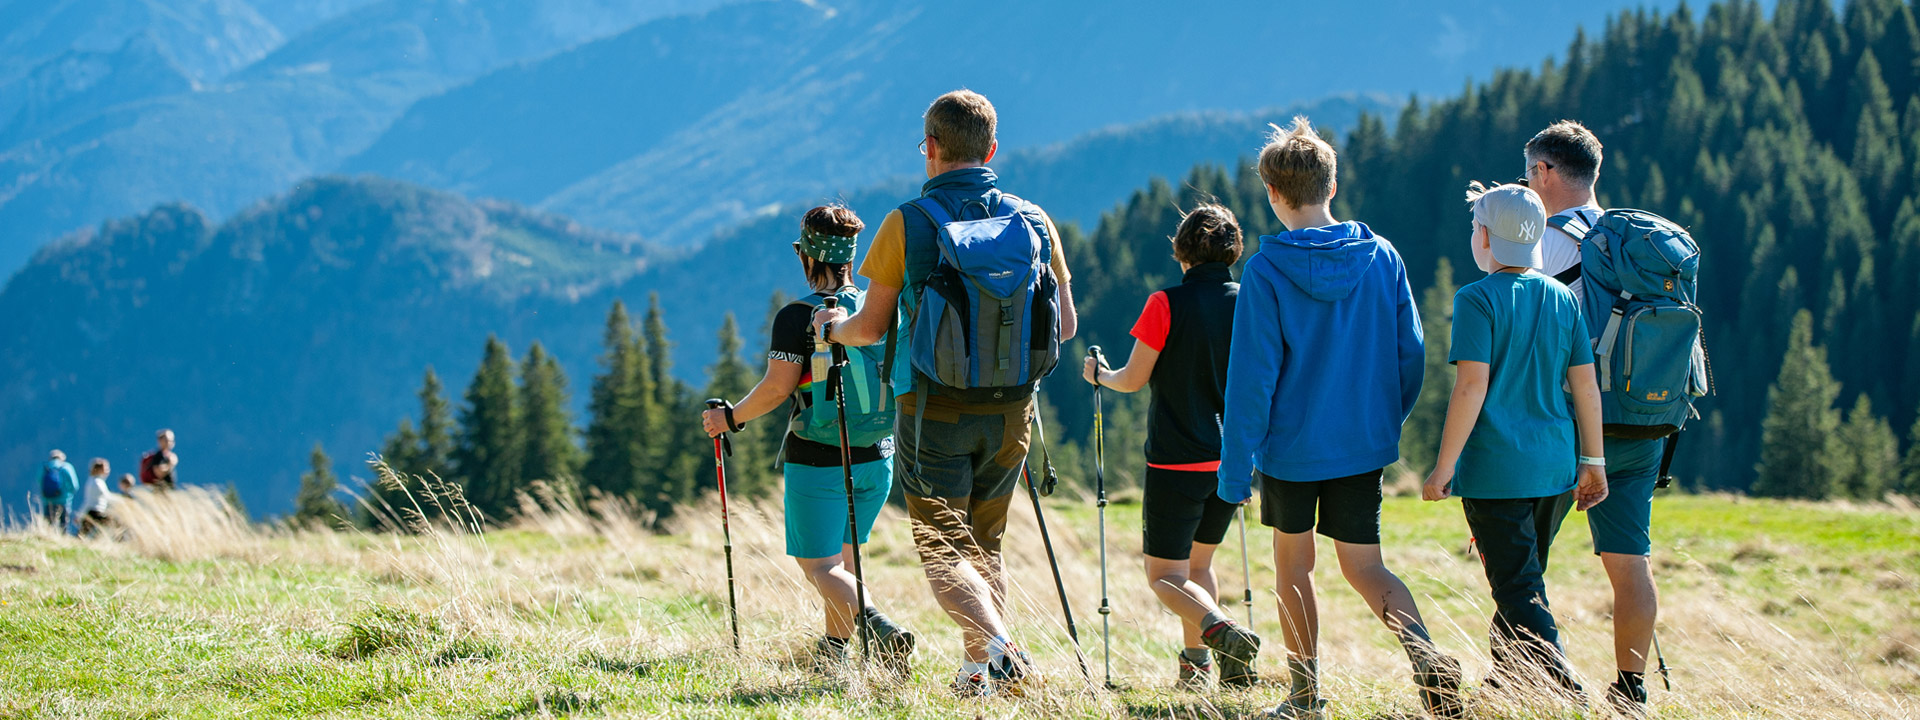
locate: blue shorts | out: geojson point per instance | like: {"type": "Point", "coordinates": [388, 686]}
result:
{"type": "Point", "coordinates": [816, 500]}
{"type": "Point", "coordinates": [1621, 524]}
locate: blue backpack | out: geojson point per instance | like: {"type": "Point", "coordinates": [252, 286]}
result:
{"type": "Point", "coordinates": [50, 486]}
{"type": "Point", "coordinates": [869, 403]}
{"type": "Point", "coordinates": [1650, 358]}
{"type": "Point", "coordinates": [986, 326]}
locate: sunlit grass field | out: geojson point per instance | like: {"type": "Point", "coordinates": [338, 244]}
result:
{"type": "Point", "coordinates": [1769, 609]}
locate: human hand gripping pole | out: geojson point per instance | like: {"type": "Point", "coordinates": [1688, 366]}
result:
{"type": "Point", "coordinates": [722, 448]}
{"type": "Point", "coordinates": [1100, 495]}
{"type": "Point", "coordinates": [838, 391]}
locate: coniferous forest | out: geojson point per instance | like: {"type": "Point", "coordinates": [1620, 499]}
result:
{"type": "Point", "coordinates": [1788, 143]}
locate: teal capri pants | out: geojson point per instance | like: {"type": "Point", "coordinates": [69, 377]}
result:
{"type": "Point", "coordinates": [816, 500]}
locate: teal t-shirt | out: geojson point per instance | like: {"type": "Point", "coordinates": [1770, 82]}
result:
{"type": "Point", "coordinates": [1528, 330]}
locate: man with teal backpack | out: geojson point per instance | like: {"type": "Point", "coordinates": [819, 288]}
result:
{"type": "Point", "coordinates": [819, 532]}
{"type": "Point", "coordinates": [1634, 275]}
{"type": "Point", "coordinates": [982, 286]}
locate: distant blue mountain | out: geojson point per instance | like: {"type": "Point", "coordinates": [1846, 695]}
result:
{"type": "Point", "coordinates": [684, 117]}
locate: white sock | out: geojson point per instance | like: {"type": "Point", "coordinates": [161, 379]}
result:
{"type": "Point", "coordinates": [970, 669]}
{"type": "Point", "coordinates": [997, 648]}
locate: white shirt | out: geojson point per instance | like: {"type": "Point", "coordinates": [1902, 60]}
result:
{"type": "Point", "coordinates": [95, 495]}
{"type": "Point", "coordinates": [1559, 251]}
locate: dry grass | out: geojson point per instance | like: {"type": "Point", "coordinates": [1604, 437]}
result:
{"type": "Point", "coordinates": [1769, 610]}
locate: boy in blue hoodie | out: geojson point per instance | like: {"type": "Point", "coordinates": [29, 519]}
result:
{"type": "Point", "coordinates": [1326, 362]}
{"type": "Point", "coordinates": [1518, 339]}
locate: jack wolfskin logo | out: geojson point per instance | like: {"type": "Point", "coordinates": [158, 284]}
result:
{"type": "Point", "coordinates": [1660, 396]}
{"type": "Point", "coordinates": [1669, 285]}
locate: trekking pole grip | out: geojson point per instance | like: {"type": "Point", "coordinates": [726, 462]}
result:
{"type": "Point", "coordinates": [732, 427]}
{"type": "Point", "coordinates": [1099, 362]}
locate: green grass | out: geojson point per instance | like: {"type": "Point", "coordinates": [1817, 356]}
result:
{"type": "Point", "coordinates": [1767, 606]}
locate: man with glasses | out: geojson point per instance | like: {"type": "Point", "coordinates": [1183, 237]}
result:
{"type": "Point", "coordinates": [957, 462]}
{"type": "Point", "coordinates": [1563, 165]}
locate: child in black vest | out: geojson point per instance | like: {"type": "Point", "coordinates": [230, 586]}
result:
{"type": "Point", "coordinates": [1180, 350]}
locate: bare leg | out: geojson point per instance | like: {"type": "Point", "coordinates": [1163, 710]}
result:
{"type": "Point", "coordinates": [1172, 583]}
{"type": "Point", "coordinates": [1299, 613]}
{"type": "Point", "coordinates": [1636, 605]}
{"type": "Point", "coordinates": [1384, 593]}
{"type": "Point", "coordinates": [835, 583]}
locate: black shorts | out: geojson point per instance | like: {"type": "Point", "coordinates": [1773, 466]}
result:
{"type": "Point", "coordinates": [1180, 508]}
{"type": "Point", "coordinates": [1349, 507]}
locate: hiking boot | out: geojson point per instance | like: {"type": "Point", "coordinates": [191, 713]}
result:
{"type": "Point", "coordinates": [970, 685]}
{"type": "Point", "coordinates": [1012, 673]}
{"type": "Point", "coordinates": [1236, 647]}
{"type": "Point", "coordinates": [1628, 702]}
{"type": "Point", "coordinates": [1438, 677]}
{"type": "Point", "coordinates": [1298, 708]}
{"type": "Point", "coordinates": [1195, 677]}
{"type": "Point", "coordinates": [829, 654]}
{"type": "Point", "coordinates": [892, 643]}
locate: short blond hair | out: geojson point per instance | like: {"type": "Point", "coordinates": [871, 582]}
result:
{"type": "Point", "coordinates": [963, 123]}
{"type": "Point", "coordinates": [1298, 164]}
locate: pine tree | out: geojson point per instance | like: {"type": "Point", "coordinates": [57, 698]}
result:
{"type": "Point", "coordinates": [1867, 454]}
{"type": "Point", "coordinates": [551, 454]}
{"type": "Point", "coordinates": [730, 378]}
{"type": "Point", "coordinates": [435, 457]}
{"type": "Point", "coordinates": [613, 464]}
{"type": "Point", "coordinates": [1910, 464]}
{"type": "Point", "coordinates": [673, 433]}
{"type": "Point", "coordinates": [1420, 437]}
{"type": "Point", "coordinates": [401, 451]}
{"type": "Point", "coordinates": [1797, 435]}
{"type": "Point", "coordinates": [315, 504]}
{"type": "Point", "coordinates": [488, 456]}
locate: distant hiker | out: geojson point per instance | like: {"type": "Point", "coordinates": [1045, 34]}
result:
{"type": "Point", "coordinates": [158, 466]}
{"type": "Point", "coordinates": [1563, 165]}
{"type": "Point", "coordinates": [1326, 363]}
{"type": "Point", "coordinates": [1180, 349]}
{"type": "Point", "coordinates": [127, 483]}
{"type": "Point", "coordinates": [95, 498]}
{"type": "Point", "coordinates": [964, 427]}
{"type": "Point", "coordinates": [1518, 338]}
{"type": "Point", "coordinates": [59, 489]}
{"type": "Point", "coordinates": [816, 498]}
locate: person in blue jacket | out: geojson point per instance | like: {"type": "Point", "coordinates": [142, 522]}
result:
{"type": "Point", "coordinates": [1326, 363]}
{"type": "Point", "coordinates": [59, 486]}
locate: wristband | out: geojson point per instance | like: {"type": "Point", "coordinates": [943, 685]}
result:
{"type": "Point", "coordinates": [1594, 461]}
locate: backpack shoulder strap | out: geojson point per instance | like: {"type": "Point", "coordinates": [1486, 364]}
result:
{"type": "Point", "coordinates": [1575, 226]}
{"type": "Point", "coordinates": [931, 208]}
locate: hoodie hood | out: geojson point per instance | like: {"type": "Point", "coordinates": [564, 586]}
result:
{"type": "Point", "coordinates": [1324, 262]}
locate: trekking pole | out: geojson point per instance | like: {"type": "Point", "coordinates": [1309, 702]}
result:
{"type": "Point", "coordinates": [723, 447]}
{"type": "Point", "coordinates": [1246, 567]}
{"type": "Point", "coordinates": [1059, 585]}
{"type": "Point", "coordinates": [1100, 494]}
{"type": "Point", "coordinates": [835, 376]}
{"type": "Point", "coordinates": [1665, 677]}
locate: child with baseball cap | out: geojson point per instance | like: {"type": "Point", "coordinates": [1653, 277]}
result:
{"type": "Point", "coordinates": [1518, 340]}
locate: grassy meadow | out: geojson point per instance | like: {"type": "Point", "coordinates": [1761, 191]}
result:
{"type": "Point", "coordinates": [1770, 609]}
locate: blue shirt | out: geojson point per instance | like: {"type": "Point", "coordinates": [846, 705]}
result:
{"type": "Point", "coordinates": [69, 482]}
{"type": "Point", "coordinates": [1529, 331]}
{"type": "Point", "coordinates": [1326, 361]}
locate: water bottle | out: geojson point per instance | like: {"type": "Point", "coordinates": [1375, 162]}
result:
{"type": "Point", "coordinates": [822, 350]}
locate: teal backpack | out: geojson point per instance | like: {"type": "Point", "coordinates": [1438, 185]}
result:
{"type": "Point", "coordinates": [869, 401]}
{"type": "Point", "coordinates": [1640, 273]}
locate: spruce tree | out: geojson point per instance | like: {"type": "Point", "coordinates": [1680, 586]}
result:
{"type": "Point", "coordinates": [551, 454]}
{"type": "Point", "coordinates": [730, 378]}
{"type": "Point", "coordinates": [1910, 464]}
{"type": "Point", "coordinates": [1867, 454]}
{"type": "Point", "coordinates": [314, 504]}
{"type": "Point", "coordinates": [1420, 437]}
{"type": "Point", "coordinates": [675, 440]}
{"type": "Point", "coordinates": [1797, 435]}
{"type": "Point", "coordinates": [488, 456]}
{"type": "Point", "coordinates": [435, 457]}
{"type": "Point", "coordinates": [613, 466]}
{"type": "Point", "coordinates": [775, 423]}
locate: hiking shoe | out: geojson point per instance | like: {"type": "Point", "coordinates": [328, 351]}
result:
{"type": "Point", "coordinates": [1628, 702]}
{"type": "Point", "coordinates": [1013, 673]}
{"type": "Point", "coordinates": [828, 655]}
{"type": "Point", "coordinates": [970, 685]}
{"type": "Point", "coordinates": [1195, 677]}
{"type": "Point", "coordinates": [1438, 677]}
{"type": "Point", "coordinates": [1236, 647]}
{"type": "Point", "coordinates": [1298, 708]}
{"type": "Point", "coordinates": [893, 643]}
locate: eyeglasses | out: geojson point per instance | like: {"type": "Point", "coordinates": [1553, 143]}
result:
{"type": "Point", "coordinates": [1525, 176]}
{"type": "Point", "coordinates": [923, 142]}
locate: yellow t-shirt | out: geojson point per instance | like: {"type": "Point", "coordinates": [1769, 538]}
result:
{"type": "Point", "coordinates": [886, 261]}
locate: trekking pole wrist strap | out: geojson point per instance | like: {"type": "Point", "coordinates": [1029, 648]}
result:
{"type": "Point", "coordinates": [731, 425]}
